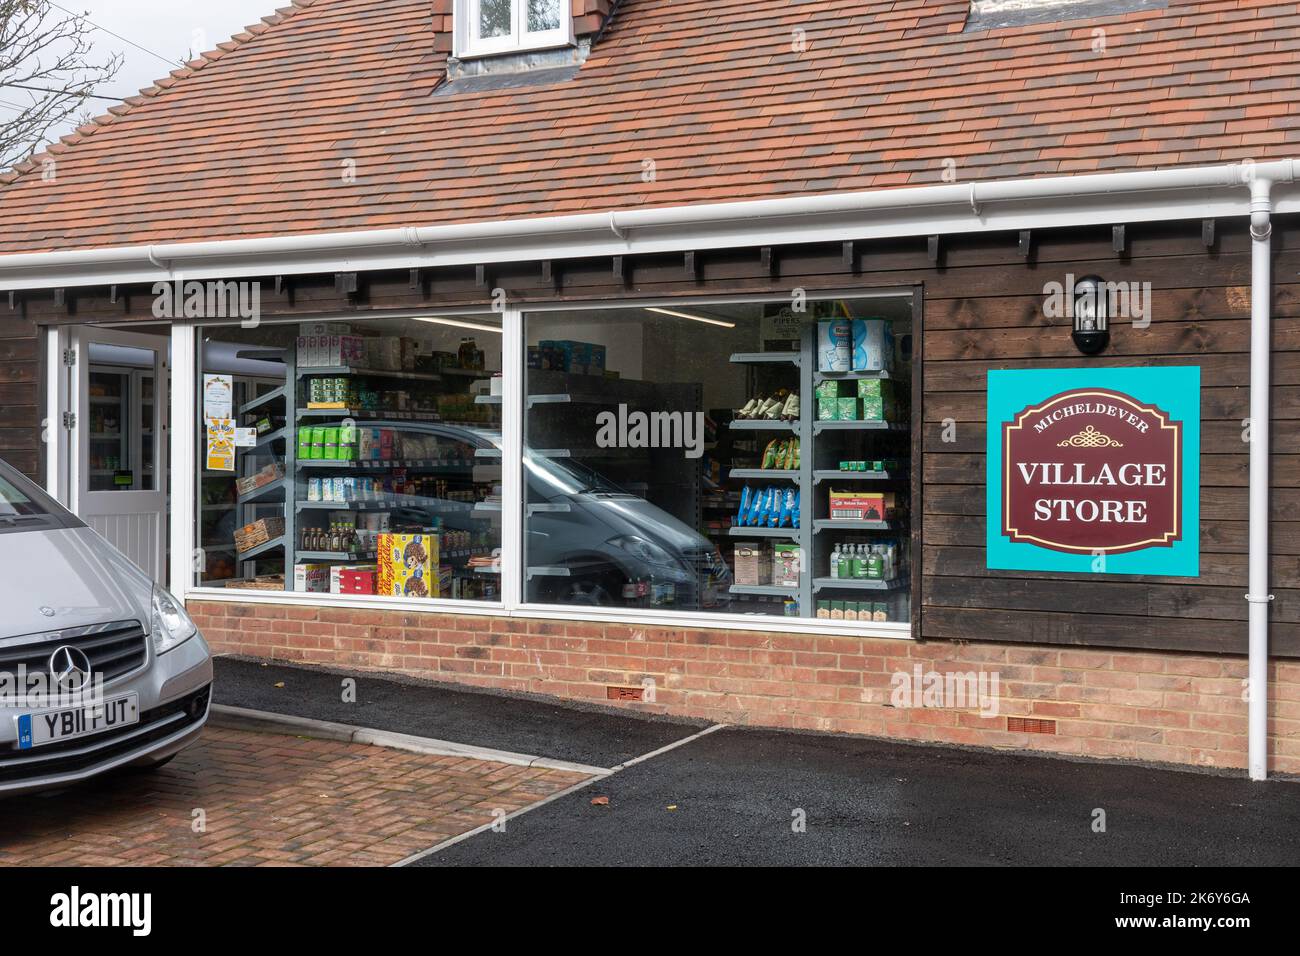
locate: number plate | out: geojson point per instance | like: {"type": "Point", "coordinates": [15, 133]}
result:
{"type": "Point", "coordinates": [51, 726]}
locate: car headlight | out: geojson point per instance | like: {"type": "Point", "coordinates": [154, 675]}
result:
{"type": "Point", "coordinates": [172, 627]}
{"type": "Point", "coordinates": [641, 549]}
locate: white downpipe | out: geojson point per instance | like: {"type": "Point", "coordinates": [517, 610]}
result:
{"type": "Point", "coordinates": [1261, 295]}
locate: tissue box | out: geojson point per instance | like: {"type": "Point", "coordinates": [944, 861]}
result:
{"type": "Point", "coordinates": [835, 345]}
{"type": "Point", "coordinates": [873, 345]}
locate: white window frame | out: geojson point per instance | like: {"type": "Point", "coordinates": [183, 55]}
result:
{"type": "Point", "coordinates": [467, 43]}
{"type": "Point", "coordinates": [512, 604]}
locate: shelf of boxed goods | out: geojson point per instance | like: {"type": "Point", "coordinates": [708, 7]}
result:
{"type": "Point", "coordinates": [375, 464]}
{"type": "Point", "coordinates": [766, 358]}
{"type": "Point", "coordinates": [779, 474]}
{"type": "Point", "coordinates": [763, 424]}
{"type": "Point", "coordinates": [262, 493]}
{"type": "Point", "coordinates": [372, 414]}
{"type": "Point", "coordinates": [764, 590]}
{"type": "Point", "coordinates": [336, 555]}
{"type": "Point", "coordinates": [820, 376]}
{"type": "Point", "coordinates": [275, 435]}
{"type": "Point", "coordinates": [834, 474]}
{"type": "Point", "coordinates": [853, 524]}
{"type": "Point", "coordinates": [310, 371]}
{"type": "Point", "coordinates": [858, 584]}
{"type": "Point", "coordinates": [389, 502]}
{"type": "Point", "coordinates": [759, 531]}
{"type": "Point", "coordinates": [857, 425]}
{"type": "Point", "coordinates": [272, 395]}
{"type": "Point", "coordinates": [261, 549]}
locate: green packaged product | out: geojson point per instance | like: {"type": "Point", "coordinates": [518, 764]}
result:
{"type": "Point", "coordinates": [877, 399]}
{"type": "Point", "coordinates": [828, 390]}
{"type": "Point", "coordinates": [827, 409]}
{"type": "Point", "coordinates": [330, 451]}
{"type": "Point", "coordinates": [317, 442]}
{"type": "Point", "coordinates": [304, 442]}
{"type": "Point", "coordinates": [846, 409]}
{"type": "Point", "coordinates": [347, 441]}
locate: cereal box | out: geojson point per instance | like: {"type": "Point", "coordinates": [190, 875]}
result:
{"type": "Point", "coordinates": [407, 565]}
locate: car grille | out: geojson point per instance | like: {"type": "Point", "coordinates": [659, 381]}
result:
{"type": "Point", "coordinates": [113, 649]}
{"type": "Point", "coordinates": [70, 756]}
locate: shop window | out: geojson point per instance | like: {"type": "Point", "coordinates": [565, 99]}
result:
{"type": "Point", "coordinates": [740, 458]}
{"type": "Point", "coordinates": [357, 458]}
{"type": "Point", "coordinates": [501, 26]}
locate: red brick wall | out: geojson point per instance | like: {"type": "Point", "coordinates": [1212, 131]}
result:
{"type": "Point", "coordinates": [1178, 708]}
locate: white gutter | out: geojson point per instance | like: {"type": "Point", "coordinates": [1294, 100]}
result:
{"type": "Point", "coordinates": [1048, 203]}
{"type": "Point", "coordinates": [1261, 296]}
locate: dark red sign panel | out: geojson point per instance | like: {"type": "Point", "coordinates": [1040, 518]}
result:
{"type": "Point", "coordinates": [1092, 470]}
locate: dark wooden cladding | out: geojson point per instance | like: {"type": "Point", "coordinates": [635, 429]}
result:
{"type": "Point", "coordinates": [983, 309]}
{"type": "Point", "coordinates": [21, 396]}
{"type": "Point", "coordinates": [1200, 315]}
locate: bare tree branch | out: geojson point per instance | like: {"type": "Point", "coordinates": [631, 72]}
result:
{"type": "Point", "coordinates": [47, 73]}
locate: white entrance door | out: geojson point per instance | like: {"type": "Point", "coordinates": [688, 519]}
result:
{"type": "Point", "coordinates": [118, 441]}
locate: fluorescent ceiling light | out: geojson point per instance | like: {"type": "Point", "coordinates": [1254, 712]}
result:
{"type": "Point", "coordinates": [693, 318]}
{"type": "Point", "coordinates": [459, 323]}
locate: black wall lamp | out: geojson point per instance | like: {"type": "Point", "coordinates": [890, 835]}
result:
{"type": "Point", "coordinates": [1091, 315]}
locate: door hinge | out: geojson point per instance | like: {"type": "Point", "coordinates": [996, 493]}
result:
{"type": "Point", "coordinates": [69, 357]}
{"type": "Point", "coordinates": [69, 420]}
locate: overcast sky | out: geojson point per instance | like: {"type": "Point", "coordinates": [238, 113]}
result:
{"type": "Point", "coordinates": [150, 32]}
{"type": "Point", "coordinates": [173, 29]}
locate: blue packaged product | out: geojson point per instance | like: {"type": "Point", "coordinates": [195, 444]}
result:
{"type": "Point", "coordinates": [798, 504]}
{"type": "Point", "coordinates": [755, 507]}
{"type": "Point", "coordinates": [742, 517]}
{"type": "Point", "coordinates": [787, 509]}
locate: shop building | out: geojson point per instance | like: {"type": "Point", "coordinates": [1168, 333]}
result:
{"type": "Point", "coordinates": [759, 362]}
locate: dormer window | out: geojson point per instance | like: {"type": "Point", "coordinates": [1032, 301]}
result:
{"type": "Point", "coordinates": [484, 27]}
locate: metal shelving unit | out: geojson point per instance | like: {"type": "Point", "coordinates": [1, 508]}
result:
{"type": "Point", "coordinates": [462, 467]}
{"type": "Point", "coordinates": [808, 477]}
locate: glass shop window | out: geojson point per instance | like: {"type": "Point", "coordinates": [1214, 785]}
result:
{"type": "Point", "coordinates": [738, 458]}
{"type": "Point", "coordinates": [359, 458]}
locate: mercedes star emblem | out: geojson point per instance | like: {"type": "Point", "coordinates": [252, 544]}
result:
{"type": "Point", "coordinates": [47, 611]}
{"type": "Point", "coordinates": [70, 668]}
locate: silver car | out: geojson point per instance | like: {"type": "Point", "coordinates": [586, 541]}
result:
{"type": "Point", "coordinates": [99, 667]}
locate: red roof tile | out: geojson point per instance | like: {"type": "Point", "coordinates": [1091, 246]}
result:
{"type": "Point", "coordinates": [252, 139]}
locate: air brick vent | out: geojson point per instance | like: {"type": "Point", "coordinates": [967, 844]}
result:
{"type": "Point", "coordinates": [1030, 725]}
{"type": "Point", "coordinates": [624, 693]}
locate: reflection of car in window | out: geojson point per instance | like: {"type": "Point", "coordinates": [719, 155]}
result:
{"type": "Point", "coordinates": [587, 541]}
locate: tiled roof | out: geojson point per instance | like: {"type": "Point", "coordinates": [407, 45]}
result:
{"type": "Point", "coordinates": [254, 139]}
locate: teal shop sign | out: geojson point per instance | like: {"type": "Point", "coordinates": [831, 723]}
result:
{"type": "Point", "coordinates": [1095, 470]}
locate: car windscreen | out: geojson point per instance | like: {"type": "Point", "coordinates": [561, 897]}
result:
{"type": "Point", "coordinates": [24, 507]}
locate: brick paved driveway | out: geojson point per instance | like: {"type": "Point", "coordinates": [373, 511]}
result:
{"type": "Point", "coordinates": [269, 800]}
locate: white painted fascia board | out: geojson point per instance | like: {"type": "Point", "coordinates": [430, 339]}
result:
{"type": "Point", "coordinates": [951, 209]}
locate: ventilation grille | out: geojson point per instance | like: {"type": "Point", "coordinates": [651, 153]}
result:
{"type": "Point", "coordinates": [624, 693]}
{"type": "Point", "coordinates": [1030, 725]}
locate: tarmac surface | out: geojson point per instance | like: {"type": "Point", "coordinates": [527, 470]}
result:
{"type": "Point", "coordinates": [752, 797]}
{"type": "Point", "coordinates": [598, 737]}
